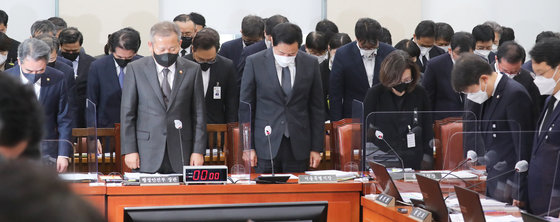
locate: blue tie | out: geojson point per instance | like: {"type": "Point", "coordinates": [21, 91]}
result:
{"type": "Point", "coordinates": [121, 76]}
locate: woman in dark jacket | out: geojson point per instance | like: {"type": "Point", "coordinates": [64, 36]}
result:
{"type": "Point", "coordinates": [394, 107]}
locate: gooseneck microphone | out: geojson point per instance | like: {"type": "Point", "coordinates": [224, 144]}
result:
{"type": "Point", "coordinates": [179, 127]}
{"type": "Point", "coordinates": [379, 136]}
{"type": "Point", "coordinates": [273, 178]}
{"type": "Point", "coordinates": [471, 157]}
{"type": "Point", "coordinates": [267, 132]}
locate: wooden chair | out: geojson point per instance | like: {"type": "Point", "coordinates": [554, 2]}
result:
{"type": "Point", "coordinates": [110, 160]}
{"type": "Point", "coordinates": [448, 142]}
{"type": "Point", "coordinates": [343, 152]}
{"type": "Point", "coordinates": [326, 155]}
{"type": "Point", "coordinates": [217, 144]}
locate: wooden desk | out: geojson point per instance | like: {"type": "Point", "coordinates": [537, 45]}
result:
{"type": "Point", "coordinates": [95, 195]}
{"type": "Point", "coordinates": [373, 212]}
{"type": "Point", "coordinates": [343, 198]}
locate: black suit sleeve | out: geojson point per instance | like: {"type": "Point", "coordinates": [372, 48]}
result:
{"type": "Point", "coordinates": [317, 111]}
{"type": "Point", "coordinates": [232, 94]}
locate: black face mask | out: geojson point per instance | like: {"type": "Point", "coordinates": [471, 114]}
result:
{"type": "Point", "coordinates": [32, 77]}
{"type": "Point", "coordinates": [401, 87]}
{"type": "Point", "coordinates": [122, 62]}
{"type": "Point", "coordinates": [166, 59]}
{"type": "Point", "coordinates": [205, 66]}
{"type": "Point", "coordinates": [186, 42]}
{"type": "Point", "coordinates": [70, 56]}
{"type": "Point", "coordinates": [51, 64]}
{"type": "Point", "coordinates": [248, 43]}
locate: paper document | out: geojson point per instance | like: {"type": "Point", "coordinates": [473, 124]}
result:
{"type": "Point", "coordinates": [340, 175]}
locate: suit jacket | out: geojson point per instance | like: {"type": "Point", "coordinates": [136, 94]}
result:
{"type": "Point", "coordinates": [302, 112]}
{"type": "Point", "coordinates": [348, 80]}
{"type": "Point", "coordinates": [65, 61]}
{"type": "Point", "coordinates": [247, 51]}
{"type": "Point", "coordinates": [232, 50]}
{"type": "Point", "coordinates": [498, 136]}
{"type": "Point", "coordinates": [58, 122]}
{"type": "Point", "coordinates": [147, 125]}
{"type": "Point", "coordinates": [528, 66]}
{"type": "Point", "coordinates": [437, 82]}
{"type": "Point", "coordinates": [526, 80]}
{"type": "Point", "coordinates": [434, 52]}
{"type": "Point", "coordinates": [84, 63]}
{"type": "Point", "coordinates": [543, 168]}
{"type": "Point", "coordinates": [224, 109]}
{"type": "Point", "coordinates": [379, 105]}
{"type": "Point", "coordinates": [12, 54]}
{"type": "Point", "coordinates": [325, 75]}
{"type": "Point", "coordinates": [104, 90]}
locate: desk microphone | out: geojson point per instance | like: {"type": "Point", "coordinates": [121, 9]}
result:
{"type": "Point", "coordinates": [471, 157]}
{"type": "Point", "coordinates": [179, 127]}
{"type": "Point", "coordinates": [379, 136]}
{"type": "Point", "coordinates": [272, 178]}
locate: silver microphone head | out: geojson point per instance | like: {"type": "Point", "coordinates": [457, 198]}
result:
{"type": "Point", "coordinates": [522, 166]}
{"type": "Point", "coordinates": [267, 130]}
{"type": "Point", "coordinates": [178, 124]}
{"type": "Point", "coordinates": [379, 134]}
{"type": "Point", "coordinates": [472, 156]}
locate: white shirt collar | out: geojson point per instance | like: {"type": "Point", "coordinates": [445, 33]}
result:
{"type": "Point", "coordinates": [498, 78]}
{"type": "Point", "coordinates": [160, 68]}
{"type": "Point", "coordinates": [557, 96]}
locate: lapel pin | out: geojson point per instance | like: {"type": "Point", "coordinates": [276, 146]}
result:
{"type": "Point", "coordinates": [498, 96]}
{"type": "Point", "coordinates": [48, 79]}
{"type": "Point", "coordinates": [180, 71]}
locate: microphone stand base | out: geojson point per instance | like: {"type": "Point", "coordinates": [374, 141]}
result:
{"type": "Point", "coordinates": [272, 179]}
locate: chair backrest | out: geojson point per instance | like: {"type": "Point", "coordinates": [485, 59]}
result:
{"type": "Point", "coordinates": [344, 152]}
{"type": "Point", "coordinates": [326, 161]}
{"type": "Point", "coordinates": [217, 144]}
{"type": "Point", "coordinates": [449, 142]}
{"type": "Point", "coordinates": [109, 161]}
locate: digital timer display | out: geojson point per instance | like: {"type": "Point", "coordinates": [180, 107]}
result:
{"type": "Point", "coordinates": [205, 174]}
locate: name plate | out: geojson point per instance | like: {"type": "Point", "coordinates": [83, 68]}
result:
{"type": "Point", "coordinates": [419, 214]}
{"type": "Point", "coordinates": [385, 200]}
{"type": "Point", "coordinates": [303, 179]}
{"type": "Point", "coordinates": [412, 176]}
{"type": "Point", "coordinates": [159, 180]}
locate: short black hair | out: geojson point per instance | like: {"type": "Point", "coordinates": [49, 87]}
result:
{"type": "Point", "coordinates": [51, 41]}
{"type": "Point", "coordinates": [385, 36]}
{"type": "Point", "coordinates": [547, 50]}
{"type": "Point", "coordinates": [126, 38]}
{"type": "Point", "coordinates": [368, 30]}
{"type": "Point", "coordinates": [511, 52]}
{"type": "Point", "coordinates": [21, 115]}
{"type": "Point", "coordinates": [5, 42]}
{"type": "Point", "coordinates": [426, 28]}
{"type": "Point", "coordinates": [545, 34]}
{"type": "Point", "coordinates": [205, 39]}
{"type": "Point", "coordinates": [408, 46]}
{"type": "Point", "coordinates": [444, 31]}
{"type": "Point", "coordinates": [483, 33]}
{"type": "Point", "coordinates": [327, 27]}
{"type": "Point", "coordinates": [272, 22]}
{"type": "Point", "coordinates": [43, 27]}
{"type": "Point", "coordinates": [467, 71]}
{"type": "Point", "coordinates": [32, 192]}
{"type": "Point", "coordinates": [58, 22]}
{"type": "Point", "coordinates": [252, 26]}
{"type": "Point", "coordinates": [507, 35]}
{"type": "Point", "coordinates": [70, 35]}
{"type": "Point", "coordinates": [3, 18]}
{"type": "Point", "coordinates": [463, 40]}
{"type": "Point", "coordinates": [338, 40]}
{"type": "Point", "coordinates": [198, 19]}
{"type": "Point", "coordinates": [182, 18]}
{"type": "Point", "coordinates": [316, 41]}
{"type": "Point", "coordinates": [286, 33]}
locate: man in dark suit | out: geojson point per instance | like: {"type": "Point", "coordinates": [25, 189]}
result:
{"type": "Point", "coordinates": [316, 44]}
{"type": "Point", "coordinates": [437, 78]}
{"type": "Point", "coordinates": [543, 168]}
{"type": "Point", "coordinates": [284, 87]}
{"type": "Point", "coordinates": [157, 91]}
{"type": "Point", "coordinates": [221, 93]}
{"type": "Point", "coordinates": [509, 58]}
{"type": "Point", "coordinates": [252, 31]}
{"type": "Point", "coordinates": [71, 48]}
{"type": "Point", "coordinates": [502, 107]}
{"type": "Point", "coordinates": [425, 38]}
{"type": "Point", "coordinates": [106, 76]}
{"type": "Point", "coordinates": [13, 44]}
{"type": "Point", "coordinates": [541, 36]}
{"type": "Point", "coordinates": [48, 84]}
{"type": "Point", "coordinates": [188, 30]}
{"type": "Point", "coordinates": [356, 68]}
{"type": "Point", "coordinates": [484, 38]}
{"type": "Point", "coordinates": [269, 25]}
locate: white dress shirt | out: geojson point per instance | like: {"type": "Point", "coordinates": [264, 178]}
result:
{"type": "Point", "coordinates": [75, 66]}
{"type": "Point", "coordinates": [498, 78]}
{"type": "Point", "coordinates": [205, 80]}
{"type": "Point", "coordinates": [557, 96]}
{"type": "Point", "coordinates": [292, 68]}
{"type": "Point", "coordinates": [118, 68]}
{"type": "Point", "coordinates": [170, 75]}
{"type": "Point", "coordinates": [369, 64]}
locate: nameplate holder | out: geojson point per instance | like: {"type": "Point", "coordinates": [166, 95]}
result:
{"type": "Point", "coordinates": [385, 200]}
{"type": "Point", "coordinates": [412, 176]}
{"type": "Point", "coordinates": [421, 215]}
{"type": "Point", "coordinates": [308, 179]}
{"type": "Point", "coordinates": [159, 180]}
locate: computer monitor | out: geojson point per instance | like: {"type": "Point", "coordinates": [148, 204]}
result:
{"type": "Point", "coordinates": [433, 198]}
{"type": "Point", "coordinates": [471, 208]}
{"type": "Point", "coordinates": [270, 212]}
{"type": "Point", "coordinates": [385, 180]}
{"type": "Point", "coordinates": [527, 217]}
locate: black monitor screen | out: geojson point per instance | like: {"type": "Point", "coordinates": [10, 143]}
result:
{"type": "Point", "coordinates": [285, 212]}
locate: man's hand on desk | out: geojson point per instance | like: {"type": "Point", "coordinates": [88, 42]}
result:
{"type": "Point", "coordinates": [61, 164]}
{"type": "Point", "coordinates": [250, 156]}
{"type": "Point", "coordinates": [314, 159]}
{"type": "Point", "coordinates": [132, 160]}
{"type": "Point", "coordinates": [518, 203]}
{"type": "Point", "coordinates": [197, 159]}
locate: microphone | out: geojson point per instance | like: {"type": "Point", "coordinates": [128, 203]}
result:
{"type": "Point", "coordinates": [471, 157]}
{"type": "Point", "coordinates": [179, 127]}
{"type": "Point", "coordinates": [379, 136]}
{"type": "Point", "coordinates": [271, 179]}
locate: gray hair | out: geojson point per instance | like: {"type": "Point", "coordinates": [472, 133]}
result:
{"type": "Point", "coordinates": [51, 41]}
{"type": "Point", "coordinates": [165, 29]}
{"type": "Point", "coordinates": [34, 49]}
{"type": "Point", "coordinates": [494, 25]}
{"type": "Point", "coordinates": [43, 27]}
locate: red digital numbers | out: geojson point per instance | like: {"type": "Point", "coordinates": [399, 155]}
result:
{"type": "Point", "coordinates": [205, 175]}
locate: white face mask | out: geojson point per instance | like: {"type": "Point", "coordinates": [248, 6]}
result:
{"type": "Point", "coordinates": [494, 48]}
{"type": "Point", "coordinates": [424, 50]}
{"type": "Point", "coordinates": [267, 43]}
{"type": "Point", "coordinates": [546, 85]}
{"type": "Point", "coordinates": [510, 75]}
{"type": "Point", "coordinates": [330, 62]}
{"type": "Point", "coordinates": [480, 96]}
{"type": "Point", "coordinates": [322, 58]}
{"type": "Point", "coordinates": [3, 58]}
{"type": "Point", "coordinates": [482, 53]}
{"type": "Point", "coordinates": [368, 52]}
{"type": "Point", "coordinates": [284, 61]}
{"type": "Point", "coordinates": [445, 47]}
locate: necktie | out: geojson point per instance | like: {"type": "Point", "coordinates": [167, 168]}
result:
{"type": "Point", "coordinates": [183, 52]}
{"type": "Point", "coordinates": [286, 81]}
{"type": "Point", "coordinates": [121, 76]}
{"type": "Point", "coordinates": [165, 87]}
{"type": "Point", "coordinates": [424, 60]}
{"type": "Point", "coordinates": [549, 110]}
